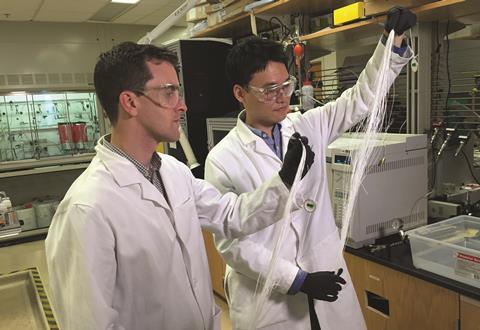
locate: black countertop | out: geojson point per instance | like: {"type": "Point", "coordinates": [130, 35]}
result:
{"type": "Point", "coordinates": [399, 257]}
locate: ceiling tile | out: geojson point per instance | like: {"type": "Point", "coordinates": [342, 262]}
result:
{"type": "Point", "coordinates": [150, 12]}
{"type": "Point", "coordinates": [16, 5]}
{"type": "Point", "coordinates": [17, 15]}
{"type": "Point", "coordinates": [91, 6]}
{"type": "Point", "coordinates": [139, 11]}
{"type": "Point", "coordinates": [62, 16]}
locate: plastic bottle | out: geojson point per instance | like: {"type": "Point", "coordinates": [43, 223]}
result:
{"type": "Point", "coordinates": [307, 96]}
{"type": "Point", "coordinates": [3, 211]}
{"type": "Point", "coordinates": [10, 215]}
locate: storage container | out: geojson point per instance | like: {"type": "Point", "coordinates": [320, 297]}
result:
{"type": "Point", "coordinates": [449, 248]}
{"type": "Point", "coordinates": [27, 217]}
{"type": "Point", "coordinates": [348, 13]}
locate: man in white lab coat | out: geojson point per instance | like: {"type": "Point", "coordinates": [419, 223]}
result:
{"type": "Point", "coordinates": [254, 150]}
{"type": "Point", "coordinates": [125, 249]}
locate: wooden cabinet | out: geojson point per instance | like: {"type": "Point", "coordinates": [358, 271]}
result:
{"type": "Point", "coordinates": [469, 314]}
{"type": "Point", "coordinates": [395, 301]}
{"type": "Point", "coordinates": [215, 263]}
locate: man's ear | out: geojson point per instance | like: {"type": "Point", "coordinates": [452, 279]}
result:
{"type": "Point", "coordinates": [239, 93]}
{"type": "Point", "coordinates": [128, 101]}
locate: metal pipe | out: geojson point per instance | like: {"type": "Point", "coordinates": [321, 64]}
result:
{"type": "Point", "coordinates": [167, 22]}
{"type": "Point", "coordinates": [152, 35]}
{"type": "Point", "coordinates": [9, 136]}
{"type": "Point", "coordinates": [463, 140]}
{"type": "Point", "coordinates": [450, 132]}
{"type": "Point", "coordinates": [187, 149]}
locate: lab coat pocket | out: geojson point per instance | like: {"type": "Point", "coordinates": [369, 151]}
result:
{"type": "Point", "coordinates": [344, 313]}
{"type": "Point", "coordinates": [183, 201]}
{"type": "Point", "coordinates": [323, 255]}
{"type": "Point", "coordinates": [242, 303]}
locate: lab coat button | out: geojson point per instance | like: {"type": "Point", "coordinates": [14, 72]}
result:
{"type": "Point", "coordinates": [310, 205]}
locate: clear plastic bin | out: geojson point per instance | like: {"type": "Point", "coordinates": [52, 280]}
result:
{"type": "Point", "coordinates": [449, 248]}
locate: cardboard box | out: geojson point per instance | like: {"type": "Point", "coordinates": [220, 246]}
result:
{"type": "Point", "coordinates": [215, 18]}
{"type": "Point", "coordinates": [235, 9]}
{"type": "Point", "coordinates": [348, 13]}
{"type": "Point", "coordinates": [218, 6]}
{"type": "Point", "coordinates": [196, 14]}
{"type": "Point", "coordinates": [377, 7]}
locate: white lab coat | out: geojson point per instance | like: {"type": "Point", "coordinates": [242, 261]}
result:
{"type": "Point", "coordinates": [241, 162]}
{"type": "Point", "coordinates": [115, 260]}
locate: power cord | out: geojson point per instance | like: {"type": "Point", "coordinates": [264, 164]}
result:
{"type": "Point", "coordinates": [470, 167]}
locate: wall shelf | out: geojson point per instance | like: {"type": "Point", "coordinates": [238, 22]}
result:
{"type": "Point", "coordinates": [41, 170]}
{"type": "Point", "coordinates": [44, 165]}
{"type": "Point", "coordinates": [333, 38]}
{"type": "Point", "coordinates": [25, 234]}
{"type": "Point", "coordinates": [339, 37]}
{"type": "Point", "coordinates": [240, 25]}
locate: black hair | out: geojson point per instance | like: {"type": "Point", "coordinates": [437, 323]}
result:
{"type": "Point", "coordinates": [124, 68]}
{"type": "Point", "coordinates": [251, 56]}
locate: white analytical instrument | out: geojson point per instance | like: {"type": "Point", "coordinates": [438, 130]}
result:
{"type": "Point", "coordinates": [394, 189]}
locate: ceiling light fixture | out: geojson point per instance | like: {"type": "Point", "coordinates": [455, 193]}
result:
{"type": "Point", "coordinates": [125, 1]}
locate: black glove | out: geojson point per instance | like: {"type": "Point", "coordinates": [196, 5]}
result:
{"type": "Point", "coordinates": [292, 159]}
{"type": "Point", "coordinates": [323, 285]}
{"type": "Point", "coordinates": [400, 19]}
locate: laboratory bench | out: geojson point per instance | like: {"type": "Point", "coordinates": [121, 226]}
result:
{"type": "Point", "coordinates": [24, 237]}
{"type": "Point", "coordinates": [399, 258]}
{"type": "Point", "coordinates": [393, 294]}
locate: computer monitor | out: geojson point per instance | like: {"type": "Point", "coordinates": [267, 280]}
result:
{"type": "Point", "coordinates": [218, 128]}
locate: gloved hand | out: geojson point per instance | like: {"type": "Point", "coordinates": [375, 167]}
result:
{"type": "Point", "coordinates": [400, 19]}
{"type": "Point", "coordinates": [323, 285]}
{"type": "Point", "coordinates": [292, 159]}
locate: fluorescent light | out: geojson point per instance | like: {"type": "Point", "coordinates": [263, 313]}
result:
{"type": "Point", "coordinates": [125, 1]}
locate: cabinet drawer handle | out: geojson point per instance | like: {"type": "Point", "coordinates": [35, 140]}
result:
{"type": "Point", "coordinates": [375, 278]}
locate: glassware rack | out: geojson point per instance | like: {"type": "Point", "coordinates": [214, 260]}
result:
{"type": "Point", "coordinates": [36, 126]}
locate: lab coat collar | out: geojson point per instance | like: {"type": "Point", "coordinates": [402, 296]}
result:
{"type": "Point", "coordinates": [247, 137]}
{"type": "Point", "coordinates": [126, 174]}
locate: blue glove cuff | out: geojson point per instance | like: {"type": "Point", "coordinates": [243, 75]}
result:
{"type": "Point", "coordinates": [397, 50]}
{"type": "Point", "coordinates": [298, 282]}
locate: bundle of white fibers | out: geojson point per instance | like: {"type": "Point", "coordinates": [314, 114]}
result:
{"type": "Point", "coordinates": [264, 288]}
{"type": "Point", "coordinates": [372, 126]}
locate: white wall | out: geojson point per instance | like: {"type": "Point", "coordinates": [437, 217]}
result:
{"type": "Point", "coordinates": [174, 33]}
{"type": "Point", "coordinates": [61, 52]}
{"type": "Point", "coordinates": [32, 47]}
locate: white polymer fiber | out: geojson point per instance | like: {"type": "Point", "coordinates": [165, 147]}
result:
{"type": "Point", "coordinates": [370, 129]}
{"type": "Point", "coordinates": [265, 286]}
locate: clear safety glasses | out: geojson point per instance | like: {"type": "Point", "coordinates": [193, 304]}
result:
{"type": "Point", "coordinates": [165, 96]}
{"type": "Point", "coordinates": [272, 93]}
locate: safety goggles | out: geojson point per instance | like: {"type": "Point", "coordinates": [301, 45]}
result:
{"type": "Point", "coordinates": [272, 93]}
{"type": "Point", "coordinates": [165, 96]}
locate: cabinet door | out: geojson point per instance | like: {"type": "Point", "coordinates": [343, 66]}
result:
{"type": "Point", "coordinates": [367, 279]}
{"type": "Point", "coordinates": [401, 301]}
{"type": "Point", "coordinates": [469, 314]}
{"type": "Point", "coordinates": [215, 263]}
